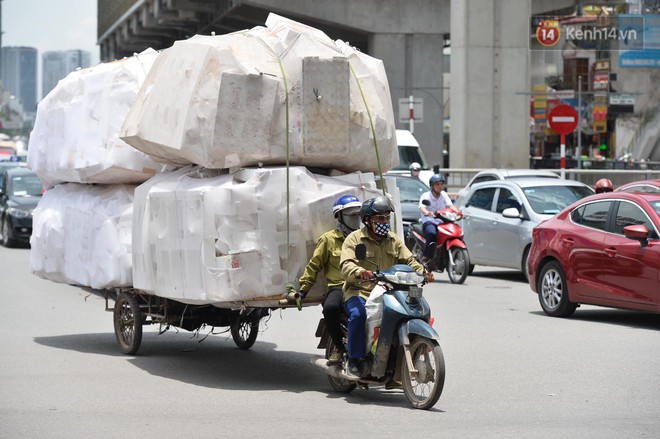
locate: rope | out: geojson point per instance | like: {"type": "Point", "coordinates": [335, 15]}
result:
{"type": "Point", "coordinates": [288, 194]}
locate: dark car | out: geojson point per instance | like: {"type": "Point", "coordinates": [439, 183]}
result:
{"type": "Point", "coordinates": [20, 191]}
{"type": "Point", "coordinates": [410, 190]}
{"type": "Point", "coordinates": [602, 250]}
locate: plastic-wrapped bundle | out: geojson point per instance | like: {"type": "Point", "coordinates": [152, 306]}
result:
{"type": "Point", "coordinates": [81, 234]}
{"type": "Point", "coordinates": [221, 102]}
{"type": "Point", "coordinates": [204, 236]}
{"type": "Point", "coordinates": [76, 132]}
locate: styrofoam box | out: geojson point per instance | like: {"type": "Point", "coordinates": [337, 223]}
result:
{"type": "Point", "coordinates": [238, 100]}
{"type": "Point", "coordinates": [81, 234]}
{"type": "Point", "coordinates": [206, 236]}
{"type": "Point", "coordinates": [76, 132]}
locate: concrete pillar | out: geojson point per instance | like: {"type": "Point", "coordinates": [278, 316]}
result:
{"type": "Point", "coordinates": [489, 76]}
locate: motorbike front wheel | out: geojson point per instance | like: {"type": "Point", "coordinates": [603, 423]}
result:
{"type": "Point", "coordinates": [423, 389]}
{"type": "Point", "coordinates": [460, 269]}
{"type": "Point", "coordinates": [340, 385]}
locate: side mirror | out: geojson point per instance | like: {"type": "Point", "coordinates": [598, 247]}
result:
{"type": "Point", "coordinates": [511, 212]}
{"type": "Point", "coordinates": [361, 252]}
{"type": "Point", "coordinates": [637, 232]}
{"type": "Point", "coordinates": [426, 202]}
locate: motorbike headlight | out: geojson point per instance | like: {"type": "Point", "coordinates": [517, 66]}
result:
{"type": "Point", "coordinates": [19, 213]}
{"type": "Point", "coordinates": [405, 278]}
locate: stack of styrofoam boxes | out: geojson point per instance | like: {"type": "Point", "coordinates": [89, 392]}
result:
{"type": "Point", "coordinates": [82, 226]}
{"type": "Point", "coordinates": [215, 232]}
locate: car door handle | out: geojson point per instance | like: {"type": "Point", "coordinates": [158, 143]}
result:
{"type": "Point", "coordinates": [568, 242]}
{"type": "Point", "coordinates": [611, 252]}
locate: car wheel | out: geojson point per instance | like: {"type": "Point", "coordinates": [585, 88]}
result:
{"type": "Point", "coordinates": [523, 266]}
{"type": "Point", "coordinates": [7, 241]}
{"type": "Point", "coordinates": [553, 291]}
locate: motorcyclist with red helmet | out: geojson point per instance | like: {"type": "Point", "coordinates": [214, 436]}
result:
{"type": "Point", "coordinates": [603, 185]}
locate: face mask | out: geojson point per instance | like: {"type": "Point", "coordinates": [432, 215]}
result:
{"type": "Point", "coordinates": [380, 229]}
{"type": "Point", "coordinates": [352, 221]}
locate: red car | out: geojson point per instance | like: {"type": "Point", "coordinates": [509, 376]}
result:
{"type": "Point", "coordinates": [602, 250]}
{"type": "Point", "coordinates": [652, 186]}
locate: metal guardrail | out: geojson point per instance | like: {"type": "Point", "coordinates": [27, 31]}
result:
{"type": "Point", "coordinates": [458, 178]}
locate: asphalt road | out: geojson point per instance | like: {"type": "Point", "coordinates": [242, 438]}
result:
{"type": "Point", "coordinates": [511, 371]}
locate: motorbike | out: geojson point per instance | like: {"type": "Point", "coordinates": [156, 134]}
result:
{"type": "Point", "coordinates": [406, 353]}
{"type": "Point", "coordinates": [451, 254]}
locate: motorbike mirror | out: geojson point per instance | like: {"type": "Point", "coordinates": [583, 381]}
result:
{"type": "Point", "coordinates": [426, 202]}
{"type": "Point", "coordinates": [430, 250]}
{"type": "Point", "coordinates": [361, 252]}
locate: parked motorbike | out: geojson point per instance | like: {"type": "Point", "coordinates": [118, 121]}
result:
{"type": "Point", "coordinates": [451, 254]}
{"type": "Point", "coordinates": [406, 352]}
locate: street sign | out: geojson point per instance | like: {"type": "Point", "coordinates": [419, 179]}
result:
{"type": "Point", "coordinates": [563, 119]}
{"type": "Point", "coordinates": [405, 113]}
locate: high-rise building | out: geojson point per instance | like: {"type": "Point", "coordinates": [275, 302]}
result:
{"type": "Point", "coordinates": [19, 76]}
{"type": "Point", "coordinates": [57, 64]}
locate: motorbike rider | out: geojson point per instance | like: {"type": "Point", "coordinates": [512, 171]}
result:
{"type": "Point", "coordinates": [603, 185]}
{"type": "Point", "coordinates": [384, 248]}
{"type": "Point", "coordinates": [415, 168]}
{"type": "Point", "coordinates": [326, 259]}
{"type": "Point", "coordinates": [439, 200]}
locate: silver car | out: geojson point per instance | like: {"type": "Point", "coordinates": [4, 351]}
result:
{"type": "Point", "coordinates": [501, 174]}
{"type": "Point", "coordinates": [498, 217]}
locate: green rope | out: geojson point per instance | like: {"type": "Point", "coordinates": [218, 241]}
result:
{"type": "Point", "coordinates": [288, 195]}
{"type": "Point", "coordinates": [373, 133]}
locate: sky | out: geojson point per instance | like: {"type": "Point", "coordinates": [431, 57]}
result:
{"type": "Point", "coordinates": [50, 25]}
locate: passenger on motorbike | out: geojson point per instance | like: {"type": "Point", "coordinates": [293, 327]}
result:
{"type": "Point", "coordinates": [439, 200]}
{"type": "Point", "coordinates": [384, 249]}
{"type": "Point", "coordinates": [326, 259]}
{"type": "Point", "coordinates": [603, 185]}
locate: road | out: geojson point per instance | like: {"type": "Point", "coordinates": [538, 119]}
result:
{"type": "Point", "coordinates": [511, 371]}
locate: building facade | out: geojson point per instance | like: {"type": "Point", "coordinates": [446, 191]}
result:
{"type": "Point", "coordinates": [56, 65]}
{"type": "Point", "coordinates": [19, 76]}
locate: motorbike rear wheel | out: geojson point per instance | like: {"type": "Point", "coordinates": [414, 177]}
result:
{"type": "Point", "coordinates": [425, 387]}
{"type": "Point", "coordinates": [340, 385]}
{"type": "Point", "coordinates": [244, 333]}
{"type": "Point", "coordinates": [459, 271]}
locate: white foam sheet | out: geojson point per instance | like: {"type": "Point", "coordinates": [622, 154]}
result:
{"type": "Point", "coordinates": [81, 235]}
{"type": "Point", "coordinates": [76, 132]}
{"type": "Point", "coordinates": [205, 236]}
{"type": "Point", "coordinates": [221, 102]}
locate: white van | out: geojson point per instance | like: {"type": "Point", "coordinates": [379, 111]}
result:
{"type": "Point", "coordinates": [410, 152]}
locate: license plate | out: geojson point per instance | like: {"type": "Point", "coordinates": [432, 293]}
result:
{"type": "Point", "coordinates": [415, 292]}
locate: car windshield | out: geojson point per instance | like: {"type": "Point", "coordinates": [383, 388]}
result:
{"type": "Point", "coordinates": [409, 155]}
{"type": "Point", "coordinates": [410, 189]}
{"type": "Point", "coordinates": [26, 186]}
{"type": "Point", "coordinates": [549, 200]}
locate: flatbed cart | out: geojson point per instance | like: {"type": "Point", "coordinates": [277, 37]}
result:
{"type": "Point", "coordinates": [134, 308]}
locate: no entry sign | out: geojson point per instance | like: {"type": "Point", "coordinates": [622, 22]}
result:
{"type": "Point", "coordinates": [563, 119]}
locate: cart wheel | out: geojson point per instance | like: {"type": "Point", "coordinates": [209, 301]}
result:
{"type": "Point", "coordinates": [128, 323]}
{"type": "Point", "coordinates": [244, 333]}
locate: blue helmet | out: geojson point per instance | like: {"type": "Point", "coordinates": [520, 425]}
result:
{"type": "Point", "coordinates": [436, 178]}
{"type": "Point", "coordinates": [345, 202]}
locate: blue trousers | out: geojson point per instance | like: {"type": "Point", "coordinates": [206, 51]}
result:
{"type": "Point", "coordinates": [430, 233]}
{"type": "Point", "coordinates": [357, 317]}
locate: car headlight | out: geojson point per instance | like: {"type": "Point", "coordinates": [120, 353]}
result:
{"type": "Point", "coordinates": [19, 213]}
{"type": "Point", "coordinates": [405, 278]}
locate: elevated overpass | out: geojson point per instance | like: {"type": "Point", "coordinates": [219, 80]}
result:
{"type": "Point", "coordinates": [489, 61]}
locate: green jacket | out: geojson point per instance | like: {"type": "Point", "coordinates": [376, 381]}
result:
{"type": "Point", "coordinates": [391, 250]}
{"type": "Point", "coordinates": [325, 258]}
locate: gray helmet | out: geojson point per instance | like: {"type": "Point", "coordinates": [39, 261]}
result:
{"type": "Point", "coordinates": [375, 206]}
{"type": "Point", "coordinates": [436, 178]}
{"type": "Point", "coordinates": [414, 166]}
